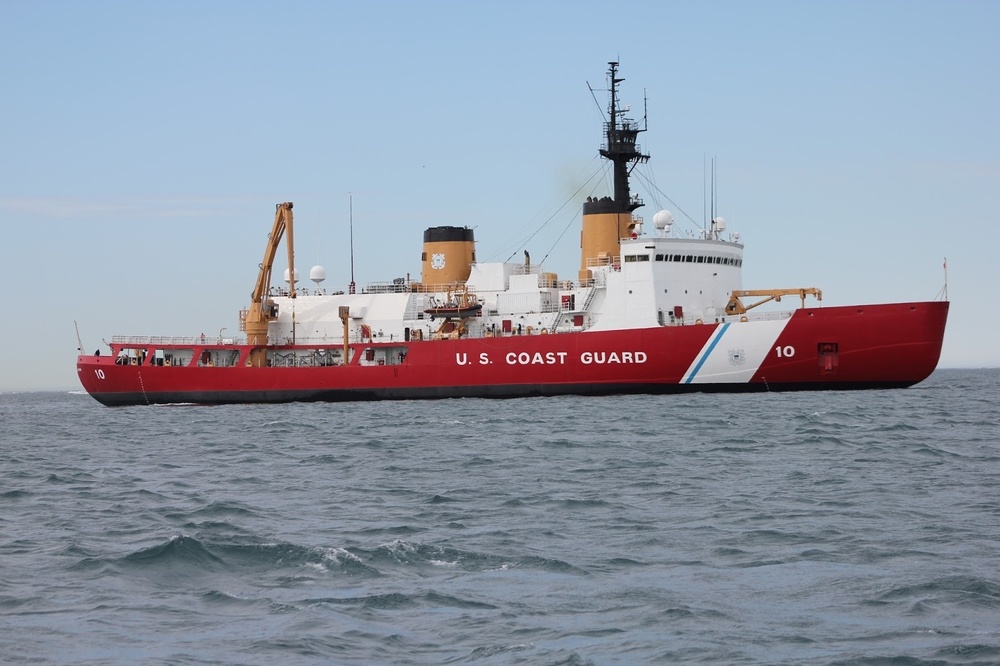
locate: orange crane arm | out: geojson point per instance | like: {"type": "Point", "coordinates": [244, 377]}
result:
{"type": "Point", "coordinates": [282, 225]}
{"type": "Point", "coordinates": [254, 320]}
{"type": "Point", "coordinates": [736, 306]}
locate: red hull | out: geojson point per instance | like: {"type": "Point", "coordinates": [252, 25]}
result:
{"type": "Point", "coordinates": [870, 346]}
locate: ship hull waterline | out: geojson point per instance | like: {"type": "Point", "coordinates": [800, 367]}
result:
{"type": "Point", "coordinates": [849, 347]}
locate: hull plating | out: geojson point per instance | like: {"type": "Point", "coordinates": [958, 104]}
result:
{"type": "Point", "coordinates": [853, 347]}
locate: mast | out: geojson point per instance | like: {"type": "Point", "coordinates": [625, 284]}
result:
{"type": "Point", "coordinates": [607, 220]}
{"type": "Point", "coordinates": [620, 148]}
{"type": "Point", "coordinates": [350, 203]}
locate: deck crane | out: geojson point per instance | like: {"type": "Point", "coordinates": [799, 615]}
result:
{"type": "Point", "coordinates": [736, 306]}
{"type": "Point", "coordinates": [263, 310]}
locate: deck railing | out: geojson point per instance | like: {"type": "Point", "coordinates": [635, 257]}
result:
{"type": "Point", "coordinates": [175, 340]}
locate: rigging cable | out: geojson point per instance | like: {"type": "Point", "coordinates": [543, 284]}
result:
{"type": "Point", "coordinates": [558, 210]}
{"type": "Point", "coordinates": [650, 184]}
{"type": "Point", "coordinates": [527, 226]}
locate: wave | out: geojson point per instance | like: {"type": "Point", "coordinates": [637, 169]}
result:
{"type": "Point", "coordinates": [577, 503]}
{"type": "Point", "coordinates": [285, 561]}
{"type": "Point", "coordinates": [398, 601]}
{"type": "Point", "coordinates": [180, 549]}
{"type": "Point", "coordinates": [416, 554]}
{"type": "Point", "coordinates": [961, 590]}
{"type": "Point", "coordinates": [976, 653]}
{"type": "Point", "coordinates": [494, 651]}
{"type": "Point", "coordinates": [215, 510]}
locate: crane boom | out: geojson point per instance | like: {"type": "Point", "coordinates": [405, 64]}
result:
{"type": "Point", "coordinates": [736, 306]}
{"type": "Point", "coordinates": [262, 310]}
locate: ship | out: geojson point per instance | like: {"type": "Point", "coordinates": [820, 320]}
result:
{"type": "Point", "coordinates": [650, 311]}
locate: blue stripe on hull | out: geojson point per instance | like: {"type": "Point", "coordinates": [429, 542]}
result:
{"type": "Point", "coordinates": [708, 352]}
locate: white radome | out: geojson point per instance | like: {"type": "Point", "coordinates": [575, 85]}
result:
{"type": "Point", "coordinates": [317, 274]}
{"type": "Point", "coordinates": [663, 219]}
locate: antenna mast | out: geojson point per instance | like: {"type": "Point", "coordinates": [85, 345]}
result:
{"type": "Point", "coordinates": [621, 146]}
{"type": "Point", "coordinates": [350, 203]}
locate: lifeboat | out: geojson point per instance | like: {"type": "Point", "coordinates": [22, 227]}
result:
{"type": "Point", "coordinates": [460, 303]}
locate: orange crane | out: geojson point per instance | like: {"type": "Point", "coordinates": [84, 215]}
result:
{"type": "Point", "coordinates": [263, 310]}
{"type": "Point", "coordinates": [735, 305]}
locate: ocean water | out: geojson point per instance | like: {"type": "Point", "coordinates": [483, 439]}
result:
{"type": "Point", "coordinates": [799, 528]}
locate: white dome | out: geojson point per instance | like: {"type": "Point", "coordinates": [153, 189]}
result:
{"type": "Point", "coordinates": [663, 219]}
{"type": "Point", "coordinates": [720, 224]}
{"type": "Point", "coordinates": [296, 275]}
{"type": "Point", "coordinates": [317, 274]}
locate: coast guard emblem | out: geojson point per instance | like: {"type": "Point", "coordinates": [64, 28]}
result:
{"type": "Point", "coordinates": [737, 357]}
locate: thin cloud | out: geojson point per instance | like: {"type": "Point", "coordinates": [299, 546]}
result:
{"type": "Point", "coordinates": [130, 208]}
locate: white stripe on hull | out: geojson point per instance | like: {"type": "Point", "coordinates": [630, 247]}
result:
{"type": "Point", "coordinates": [734, 352]}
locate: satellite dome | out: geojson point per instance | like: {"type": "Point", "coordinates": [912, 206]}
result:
{"type": "Point", "coordinates": [720, 224]}
{"type": "Point", "coordinates": [296, 275]}
{"type": "Point", "coordinates": [317, 274]}
{"type": "Point", "coordinates": [663, 219]}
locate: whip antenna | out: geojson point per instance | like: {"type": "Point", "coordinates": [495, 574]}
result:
{"type": "Point", "coordinates": [350, 208]}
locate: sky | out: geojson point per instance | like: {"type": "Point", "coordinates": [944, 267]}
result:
{"type": "Point", "coordinates": [144, 145]}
